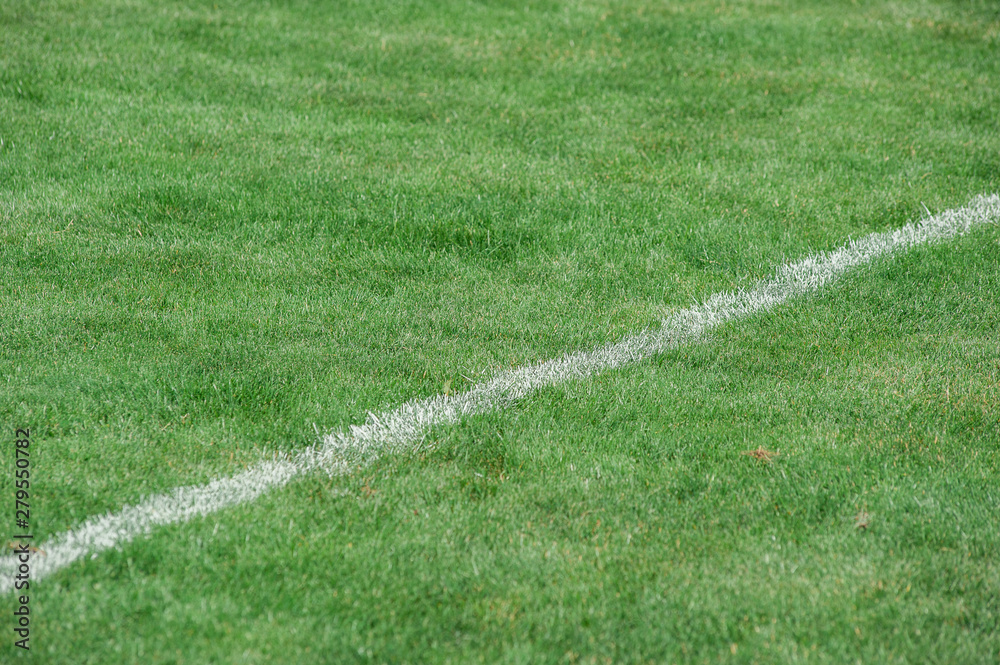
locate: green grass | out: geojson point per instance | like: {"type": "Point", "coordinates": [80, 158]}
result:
{"type": "Point", "coordinates": [223, 223]}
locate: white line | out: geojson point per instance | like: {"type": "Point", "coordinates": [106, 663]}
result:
{"type": "Point", "coordinates": [405, 426]}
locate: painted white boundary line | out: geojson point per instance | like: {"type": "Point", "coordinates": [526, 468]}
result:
{"type": "Point", "coordinates": [405, 426]}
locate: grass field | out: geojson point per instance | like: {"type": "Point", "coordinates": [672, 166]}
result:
{"type": "Point", "coordinates": [227, 225]}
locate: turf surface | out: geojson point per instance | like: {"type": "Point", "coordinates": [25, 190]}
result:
{"type": "Point", "coordinates": [223, 223]}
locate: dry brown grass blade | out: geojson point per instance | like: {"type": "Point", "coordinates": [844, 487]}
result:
{"type": "Point", "coordinates": [762, 454]}
{"type": "Point", "coordinates": [17, 547]}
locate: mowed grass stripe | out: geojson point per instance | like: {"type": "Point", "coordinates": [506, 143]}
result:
{"type": "Point", "coordinates": [407, 425]}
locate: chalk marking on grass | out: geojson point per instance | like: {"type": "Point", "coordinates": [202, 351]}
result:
{"type": "Point", "coordinates": [405, 427]}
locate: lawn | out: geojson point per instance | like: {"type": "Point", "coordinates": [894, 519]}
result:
{"type": "Point", "coordinates": [225, 226]}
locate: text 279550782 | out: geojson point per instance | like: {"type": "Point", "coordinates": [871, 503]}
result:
{"type": "Point", "coordinates": [22, 513]}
